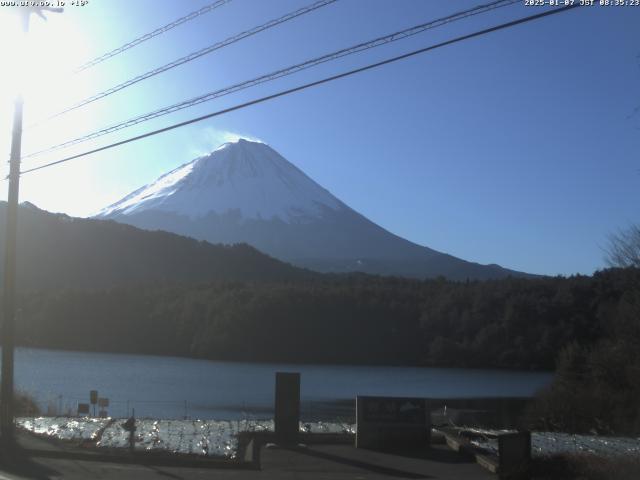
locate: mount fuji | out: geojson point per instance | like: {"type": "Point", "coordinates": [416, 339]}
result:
{"type": "Point", "coordinates": [246, 192]}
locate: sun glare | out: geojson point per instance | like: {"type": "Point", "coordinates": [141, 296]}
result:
{"type": "Point", "coordinates": [39, 66]}
{"type": "Point", "coordinates": [12, 54]}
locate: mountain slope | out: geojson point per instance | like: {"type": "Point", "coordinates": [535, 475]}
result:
{"type": "Point", "coordinates": [58, 251]}
{"type": "Point", "coordinates": [247, 192]}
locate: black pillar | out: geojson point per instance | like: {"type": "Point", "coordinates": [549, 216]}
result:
{"type": "Point", "coordinates": [287, 418]}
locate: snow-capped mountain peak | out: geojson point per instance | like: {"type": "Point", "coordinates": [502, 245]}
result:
{"type": "Point", "coordinates": [246, 177]}
{"type": "Point", "coordinates": [246, 192]}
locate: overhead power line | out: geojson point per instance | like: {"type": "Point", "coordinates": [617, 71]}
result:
{"type": "Point", "coordinates": [280, 73]}
{"type": "Point", "coordinates": [150, 35]}
{"type": "Point", "coordinates": [197, 54]}
{"type": "Point", "coordinates": [309, 85]}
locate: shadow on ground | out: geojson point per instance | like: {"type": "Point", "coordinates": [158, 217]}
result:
{"type": "Point", "coordinates": [15, 460]}
{"type": "Point", "coordinates": [379, 469]}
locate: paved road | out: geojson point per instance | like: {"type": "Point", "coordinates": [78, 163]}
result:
{"type": "Point", "coordinates": [334, 462]}
{"type": "Point", "coordinates": [346, 462]}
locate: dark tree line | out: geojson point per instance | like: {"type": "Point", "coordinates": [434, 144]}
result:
{"type": "Point", "coordinates": [597, 384]}
{"type": "Point", "coordinates": [509, 323]}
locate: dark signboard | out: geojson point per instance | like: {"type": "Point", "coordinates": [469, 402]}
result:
{"type": "Point", "coordinates": [394, 410]}
{"type": "Point", "coordinates": [103, 402]}
{"type": "Point", "coordinates": [93, 397]}
{"type": "Point", "coordinates": [392, 422]}
{"type": "Point", "coordinates": [83, 409]}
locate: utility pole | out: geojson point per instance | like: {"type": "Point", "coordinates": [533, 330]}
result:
{"type": "Point", "coordinates": [9, 291]}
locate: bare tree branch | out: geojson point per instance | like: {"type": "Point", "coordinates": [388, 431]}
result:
{"type": "Point", "coordinates": [624, 248]}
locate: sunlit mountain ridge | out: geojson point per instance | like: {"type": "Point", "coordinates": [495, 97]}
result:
{"type": "Point", "coordinates": [246, 192]}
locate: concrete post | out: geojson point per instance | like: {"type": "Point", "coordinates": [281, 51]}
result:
{"type": "Point", "coordinates": [287, 407]}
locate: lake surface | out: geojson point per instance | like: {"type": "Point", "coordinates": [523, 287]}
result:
{"type": "Point", "coordinates": [170, 387]}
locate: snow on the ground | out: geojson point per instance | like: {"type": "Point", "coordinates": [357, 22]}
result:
{"type": "Point", "coordinates": [545, 443]}
{"type": "Point", "coordinates": [202, 437]}
{"type": "Point", "coordinates": [219, 437]}
{"type": "Point", "coordinates": [549, 443]}
{"type": "Point", "coordinates": [64, 428]}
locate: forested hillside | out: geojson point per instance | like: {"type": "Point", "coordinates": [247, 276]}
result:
{"type": "Point", "coordinates": [57, 251]}
{"type": "Point", "coordinates": [510, 323]}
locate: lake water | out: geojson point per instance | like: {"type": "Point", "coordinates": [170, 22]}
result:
{"type": "Point", "coordinates": [169, 387]}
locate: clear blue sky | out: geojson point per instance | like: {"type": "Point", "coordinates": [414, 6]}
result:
{"type": "Point", "coordinates": [517, 148]}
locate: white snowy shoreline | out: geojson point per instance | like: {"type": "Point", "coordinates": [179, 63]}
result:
{"type": "Point", "coordinates": [219, 437]}
{"type": "Point", "coordinates": [216, 438]}
{"type": "Point", "coordinates": [550, 443]}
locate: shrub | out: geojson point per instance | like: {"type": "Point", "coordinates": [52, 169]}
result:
{"type": "Point", "coordinates": [585, 467]}
{"type": "Point", "coordinates": [25, 405]}
{"type": "Point", "coordinates": [595, 390]}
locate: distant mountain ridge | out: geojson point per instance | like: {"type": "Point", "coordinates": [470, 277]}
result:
{"type": "Point", "coordinates": [56, 251]}
{"type": "Point", "coordinates": [246, 192]}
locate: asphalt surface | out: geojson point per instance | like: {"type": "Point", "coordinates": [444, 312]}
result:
{"type": "Point", "coordinates": [302, 462]}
